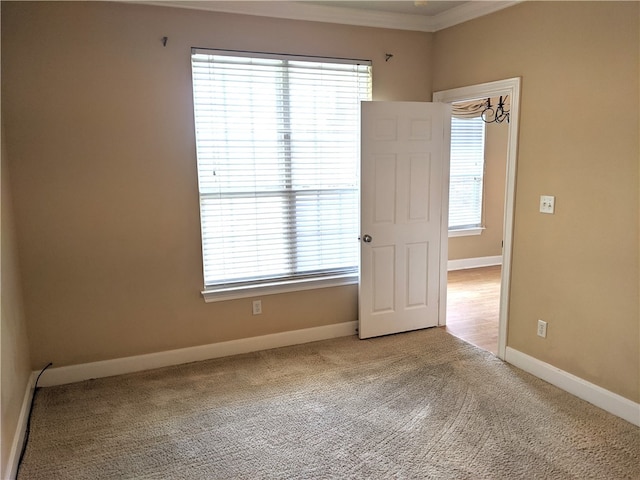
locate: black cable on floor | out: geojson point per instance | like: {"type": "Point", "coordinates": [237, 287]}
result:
{"type": "Point", "coordinates": [26, 435]}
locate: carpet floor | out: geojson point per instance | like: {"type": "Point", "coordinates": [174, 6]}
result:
{"type": "Point", "coordinates": [419, 405]}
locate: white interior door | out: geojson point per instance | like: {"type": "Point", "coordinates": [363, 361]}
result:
{"type": "Point", "coordinates": [404, 148]}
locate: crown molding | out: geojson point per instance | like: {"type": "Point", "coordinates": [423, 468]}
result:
{"type": "Point", "coordinates": [346, 16]}
{"type": "Point", "coordinates": [468, 11]}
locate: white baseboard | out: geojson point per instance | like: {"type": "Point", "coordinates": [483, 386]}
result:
{"type": "Point", "coordinates": [611, 402]}
{"type": "Point", "coordinates": [477, 262]}
{"type": "Point", "coordinates": [21, 430]}
{"type": "Point", "coordinates": [118, 366]}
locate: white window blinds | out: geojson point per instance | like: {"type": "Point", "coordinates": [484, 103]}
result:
{"type": "Point", "coordinates": [467, 172]}
{"type": "Point", "coordinates": [278, 152]}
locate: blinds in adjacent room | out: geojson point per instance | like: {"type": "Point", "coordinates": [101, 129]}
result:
{"type": "Point", "coordinates": [467, 172]}
{"type": "Point", "coordinates": [278, 152]}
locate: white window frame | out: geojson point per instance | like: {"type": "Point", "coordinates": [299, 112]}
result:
{"type": "Point", "coordinates": [247, 288]}
{"type": "Point", "coordinates": [479, 152]}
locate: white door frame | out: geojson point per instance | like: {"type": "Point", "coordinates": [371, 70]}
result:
{"type": "Point", "coordinates": [509, 87]}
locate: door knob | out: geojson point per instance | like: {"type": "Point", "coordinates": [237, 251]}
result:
{"type": "Point", "coordinates": [367, 238]}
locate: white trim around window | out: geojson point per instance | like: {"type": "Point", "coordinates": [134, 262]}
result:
{"type": "Point", "coordinates": [247, 291]}
{"type": "Point", "coordinates": [466, 232]}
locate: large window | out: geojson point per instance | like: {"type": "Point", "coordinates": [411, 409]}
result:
{"type": "Point", "coordinates": [467, 175]}
{"type": "Point", "coordinates": [278, 152]}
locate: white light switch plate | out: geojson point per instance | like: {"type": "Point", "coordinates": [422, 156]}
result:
{"type": "Point", "coordinates": [547, 203]}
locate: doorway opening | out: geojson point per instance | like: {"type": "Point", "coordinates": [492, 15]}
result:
{"type": "Point", "coordinates": [473, 306]}
{"type": "Point", "coordinates": [477, 180]}
{"type": "Point", "coordinates": [510, 88]}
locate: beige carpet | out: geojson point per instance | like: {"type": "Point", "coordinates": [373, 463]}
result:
{"type": "Point", "coordinates": [417, 405]}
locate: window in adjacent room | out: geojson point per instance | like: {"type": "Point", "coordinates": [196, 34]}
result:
{"type": "Point", "coordinates": [467, 176]}
{"type": "Point", "coordinates": [277, 140]}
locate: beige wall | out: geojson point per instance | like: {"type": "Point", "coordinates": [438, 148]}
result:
{"type": "Point", "coordinates": [16, 367]}
{"type": "Point", "coordinates": [99, 124]}
{"type": "Point", "coordinates": [489, 243]}
{"type": "Point", "coordinates": [579, 140]}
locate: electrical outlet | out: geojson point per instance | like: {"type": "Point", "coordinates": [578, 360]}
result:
{"type": "Point", "coordinates": [257, 307]}
{"type": "Point", "coordinates": [547, 204]}
{"type": "Point", "coordinates": [542, 328]}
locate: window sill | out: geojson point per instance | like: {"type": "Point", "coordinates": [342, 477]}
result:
{"type": "Point", "coordinates": [246, 291]}
{"type": "Point", "coordinates": [467, 232]}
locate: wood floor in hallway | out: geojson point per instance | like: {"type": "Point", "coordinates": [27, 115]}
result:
{"type": "Point", "coordinates": [473, 305]}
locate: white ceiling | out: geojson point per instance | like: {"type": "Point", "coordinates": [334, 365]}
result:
{"type": "Point", "coordinates": [429, 16]}
{"type": "Point", "coordinates": [425, 8]}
